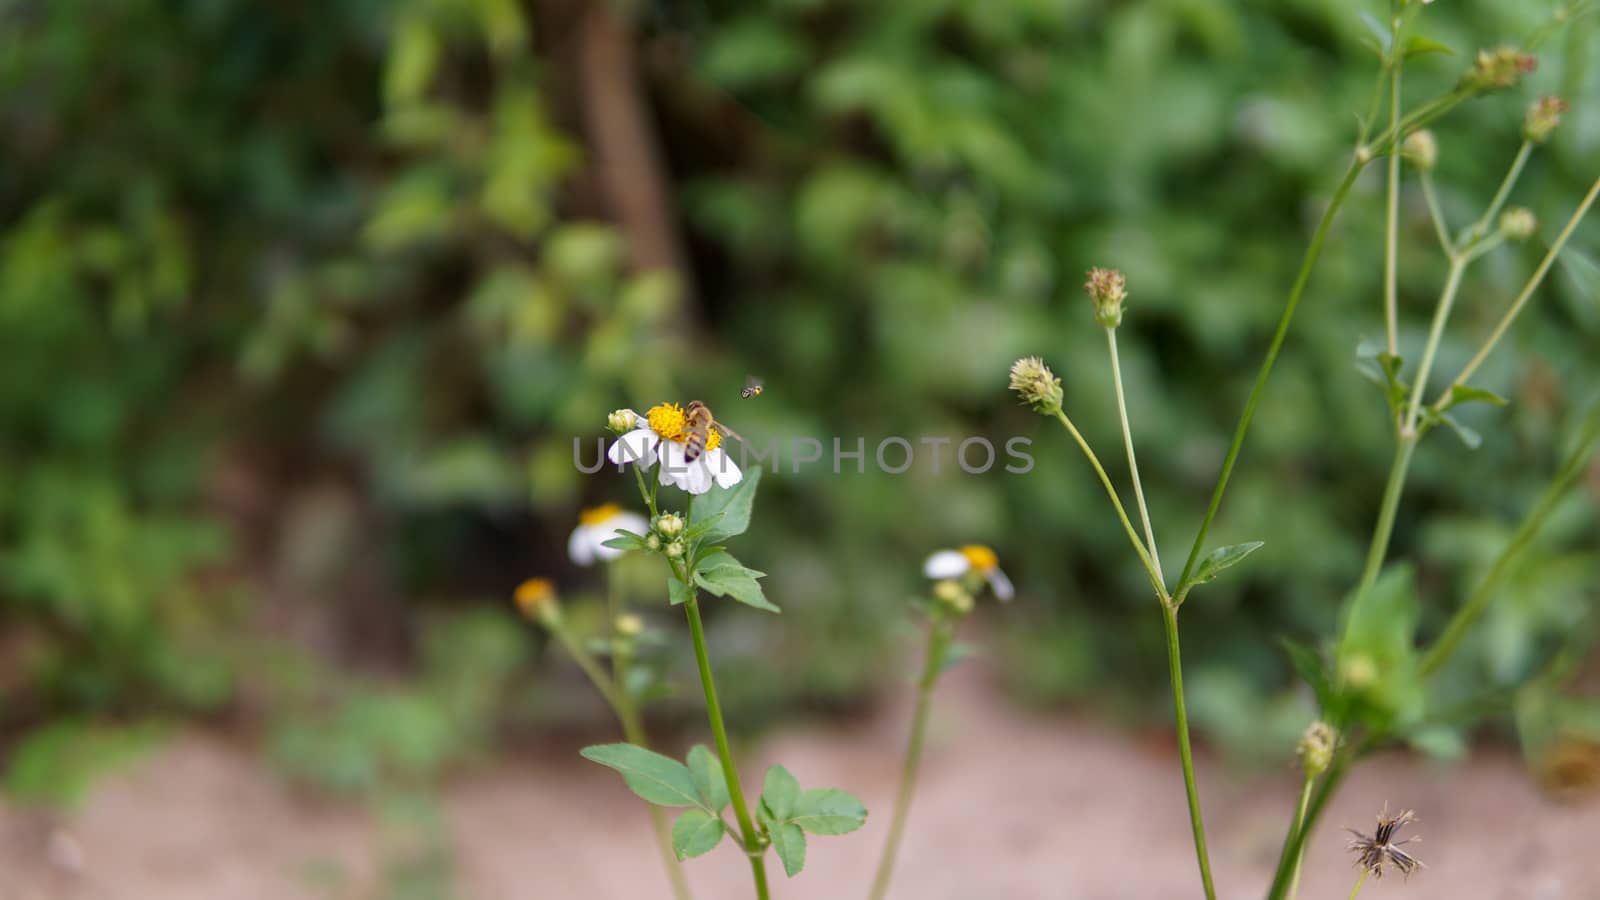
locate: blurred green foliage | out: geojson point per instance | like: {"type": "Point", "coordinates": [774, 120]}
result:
{"type": "Point", "coordinates": [359, 239]}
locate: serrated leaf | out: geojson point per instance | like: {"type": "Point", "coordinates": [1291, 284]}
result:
{"type": "Point", "coordinates": [779, 792]}
{"type": "Point", "coordinates": [789, 842]}
{"type": "Point", "coordinates": [723, 576]}
{"type": "Point", "coordinates": [1222, 558]}
{"type": "Point", "coordinates": [709, 780]}
{"type": "Point", "coordinates": [658, 779]}
{"type": "Point", "coordinates": [625, 540]}
{"type": "Point", "coordinates": [1422, 46]}
{"type": "Point", "coordinates": [731, 508]}
{"type": "Point", "coordinates": [828, 811]}
{"type": "Point", "coordinates": [696, 833]}
{"type": "Point", "coordinates": [678, 592]}
{"type": "Point", "coordinates": [1463, 393]}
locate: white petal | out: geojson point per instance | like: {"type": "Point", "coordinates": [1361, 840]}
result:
{"type": "Point", "coordinates": [723, 469]}
{"type": "Point", "coordinates": [580, 547]}
{"type": "Point", "coordinates": [627, 521]}
{"type": "Point", "coordinates": [946, 564]}
{"type": "Point", "coordinates": [698, 480]}
{"type": "Point", "coordinates": [674, 468]}
{"type": "Point", "coordinates": [1001, 584]}
{"type": "Point", "coordinates": [637, 446]}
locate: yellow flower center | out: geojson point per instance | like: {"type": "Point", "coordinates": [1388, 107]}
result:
{"type": "Point", "coordinates": [980, 557]}
{"type": "Point", "coordinates": [598, 514]}
{"type": "Point", "coordinates": [670, 423]}
{"type": "Point", "coordinates": [534, 593]}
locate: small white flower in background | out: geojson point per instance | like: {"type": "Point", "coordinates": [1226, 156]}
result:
{"type": "Point", "coordinates": [598, 525]}
{"type": "Point", "coordinates": [660, 436]}
{"type": "Point", "coordinates": [974, 559]}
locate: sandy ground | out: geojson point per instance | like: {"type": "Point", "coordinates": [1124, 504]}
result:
{"type": "Point", "coordinates": [1012, 807]}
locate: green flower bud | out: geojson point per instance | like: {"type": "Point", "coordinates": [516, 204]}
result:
{"type": "Point", "coordinates": [669, 525]}
{"type": "Point", "coordinates": [622, 420]}
{"type": "Point", "coordinates": [652, 542]}
{"type": "Point", "coordinates": [628, 625]}
{"type": "Point", "coordinates": [675, 550]}
{"type": "Point", "coordinates": [1316, 747]}
{"type": "Point", "coordinates": [1518, 224]}
{"type": "Point", "coordinates": [1421, 150]}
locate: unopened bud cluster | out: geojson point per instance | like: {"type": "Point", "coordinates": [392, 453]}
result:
{"type": "Point", "coordinates": [954, 596]}
{"type": "Point", "coordinates": [1518, 224]}
{"type": "Point", "coordinates": [1036, 385]}
{"type": "Point", "coordinates": [1498, 69]}
{"type": "Point", "coordinates": [1316, 748]}
{"type": "Point", "coordinates": [1543, 117]}
{"type": "Point", "coordinates": [1421, 150]}
{"type": "Point", "coordinates": [1107, 289]}
{"type": "Point", "coordinates": [622, 420]}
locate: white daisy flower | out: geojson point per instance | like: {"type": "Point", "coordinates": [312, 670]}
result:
{"type": "Point", "coordinates": [661, 436]}
{"type": "Point", "coordinates": [972, 558]}
{"type": "Point", "coordinates": [598, 525]}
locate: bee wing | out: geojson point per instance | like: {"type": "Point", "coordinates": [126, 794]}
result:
{"type": "Point", "coordinates": [729, 432]}
{"type": "Point", "coordinates": [752, 381]}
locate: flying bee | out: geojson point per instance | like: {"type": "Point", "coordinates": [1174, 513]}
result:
{"type": "Point", "coordinates": [701, 421]}
{"type": "Point", "coordinates": [752, 387]}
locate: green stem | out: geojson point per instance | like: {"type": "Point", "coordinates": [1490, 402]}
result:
{"type": "Point", "coordinates": [633, 731]}
{"type": "Point", "coordinates": [1133, 461]}
{"type": "Point", "coordinates": [1313, 252]}
{"type": "Point", "coordinates": [1111, 491]}
{"type": "Point", "coordinates": [1294, 841]}
{"type": "Point", "coordinates": [1299, 822]}
{"type": "Point", "coordinates": [1180, 717]}
{"type": "Point", "coordinates": [1527, 292]}
{"type": "Point", "coordinates": [1360, 880]}
{"type": "Point", "coordinates": [1481, 227]}
{"type": "Point", "coordinates": [939, 636]}
{"type": "Point", "coordinates": [1473, 609]}
{"type": "Point", "coordinates": [1441, 315]}
{"type": "Point", "coordinates": [747, 826]}
{"type": "Point", "coordinates": [1391, 243]}
{"type": "Point", "coordinates": [1441, 228]}
{"type": "Point", "coordinates": [1378, 549]}
{"type": "Point", "coordinates": [648, 494]}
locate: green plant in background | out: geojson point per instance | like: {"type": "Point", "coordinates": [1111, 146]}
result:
{"type": "Point", "coordinates": [684, 446]}
{"type": "Point", "coordinates": [1374, 688]}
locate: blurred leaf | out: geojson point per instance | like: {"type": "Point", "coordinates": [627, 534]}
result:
{"type": "Point", "coordinates": [655, 778]}
{"type": "Point", "coordinates": [1422, 46]}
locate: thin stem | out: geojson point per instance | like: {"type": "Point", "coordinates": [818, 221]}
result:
{"type": "Point", "coordinates": [1391, 242]}
{"type": "Point", "coordinates": [1473, 609]}
{"type": "Point", "coordinates": [1133, 536]}
{"type": "Point", "coordinates": [1133, 461]}
{"type": "Point", "coordinates": [1481, 227]}
{"type": "Point", "coordinates": [1313, 252]}
{"type": "Point", "coordinates": [1180, 717]}
{"type": "Point", "coordinates": [1441, 314]}
{"type": "Point", "coordinates": [1294, 841]}
{"type": "Point", "coordinates": [633, 731]}
{"type": "Point", "coordinates": [648, 494]}
{"type": "Point", "coordinates": [1299, 820]}
{"type": "Point", "coordinates": [939, 635]}
{"type": "Point", "coordinates": [1440, 226]}
{"type": "Point", "coordinates": [1392, 489]}
{"type": "Point", "coordinates": [602, 682]}
{"type": "Point", "coordinates": [1360, 880]}
{"type": "Point", "coordinates": [1527, 292]}
{"type": "Point", "coordinates": [747, 826]}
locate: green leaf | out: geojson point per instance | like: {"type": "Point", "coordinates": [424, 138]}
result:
{"type": "Point", "coordinates": [1380, 31]}
{"type": "Point", "coordinates": [709, 780]}
{"type": "Point", "coordinates": [1222, 558]}
{"type": "Point", "coordinates": [730, 507]}
{"type": "Point", "coordinates": [1377, 667]}
{"type": "Point", "coordinates": [658, 779]}
{"type": "Point", "coordinates": [779, 793]}
{"type": "Point", "coordinates": [702, 524]}
{"type": "Point", "coordinates": [1422, 46]}
{"type": "Point", "coordinates": [1312, 669]}
{"type": "Point", "coordinates": [1462, 393]}
{"type": "Point", "coordinates": [828, 811]}
{"type": "Point", "coordinates": [723, 576]}
{"type": "Point", "coordinates": [625, 540]}
{"type": "Point", "coordinates": [678, 592]}
{"type": "Point", "coordinates": [1468, 436]}
{"type": "Point", "coordinates": [790, 844]}
{"type": "Point", "coordinates": [696, 833]}
{"type": "Point", "coordinates": [958, 653]}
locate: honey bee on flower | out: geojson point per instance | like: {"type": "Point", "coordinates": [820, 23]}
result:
{"type": "Point", "coordinates": [973, 560]}
{"type": "Point", "coordinates": [689, 451]}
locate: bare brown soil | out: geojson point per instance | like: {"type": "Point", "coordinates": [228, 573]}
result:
{"type": "Point", "coordinates": [1012, 807]}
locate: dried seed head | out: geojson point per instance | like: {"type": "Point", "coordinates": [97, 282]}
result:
{"type": "Point", "coordinates": [1107, 289]}
{"type": "Point", "coordinates": [1036, 385]}
{"type": "Point", "coordinates": [1373, 853]}
{"type": "Point", "coordinates": [1421, 150]}
{"type": "Point", "coordinates": [1543, 117]}
{"type": "Point", "coordinates": [1498, 69]}
{"type": "Point", "coordinates": [1316, 747]}
{"type": "Point", "coordinates": [1518, 223]}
